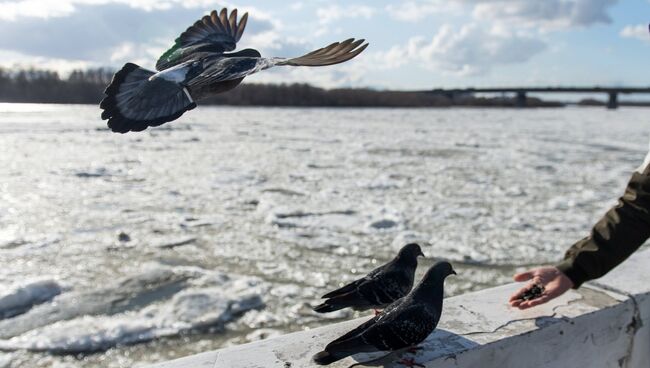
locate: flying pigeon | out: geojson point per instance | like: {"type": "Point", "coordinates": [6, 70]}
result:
{"type": "Point", "coordinates": [380, 287]}
{"type": "Point", "coordinates": [197, 66]}
{"type": "Point", "coordinates": [403, 324]}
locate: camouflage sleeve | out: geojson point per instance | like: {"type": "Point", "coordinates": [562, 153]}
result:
{"type": "Point", "coordinates": [620, 232]}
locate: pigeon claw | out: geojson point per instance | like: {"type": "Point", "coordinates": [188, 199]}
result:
{"type": "Point", "coordinates": [414, 349]}
{"type": "Point", "coordinates": [377, 311]}
{"type": "Point", "coordinates": [410, 363]}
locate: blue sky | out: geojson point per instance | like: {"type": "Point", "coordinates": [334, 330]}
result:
{"type": "Point", "coordinates": [413, 44]}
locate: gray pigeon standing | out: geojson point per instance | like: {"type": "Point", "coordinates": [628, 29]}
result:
{"type": "Point", "coordinates": [380, 287]}
{"type": "Point", "coordinates": [197, 66]}
{"type": "Point", "coordinates": [403, 324]}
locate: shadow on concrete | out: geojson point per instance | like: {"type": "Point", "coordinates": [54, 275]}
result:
{"type": "Point", "coordinates": [441, 343]}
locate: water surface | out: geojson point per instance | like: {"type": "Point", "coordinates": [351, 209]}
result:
{"type": "Point", "coordinates": [234, 221]}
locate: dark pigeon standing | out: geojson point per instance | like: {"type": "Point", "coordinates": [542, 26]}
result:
{"type": "Point", "coordinates": [197, 66]}
{"type": "Point", "coordinates": [380, 287]}
{"type": "Point", "coordinates": [402, 325]}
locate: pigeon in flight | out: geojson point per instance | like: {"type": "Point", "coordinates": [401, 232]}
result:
{"type": "Point", "coordinates": [402, 325]}
{"type": "Point", "coordinates": [380, 287]}
{"type": "Point", "coordinates": [197, 66]}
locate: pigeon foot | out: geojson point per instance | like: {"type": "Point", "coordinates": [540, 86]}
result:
{"type": "Point", "coordinates": [414, 349]}
{"type": "Point", "coordinates": [377, 311]}
{"type": "Point", "coordinates": [410, 363]}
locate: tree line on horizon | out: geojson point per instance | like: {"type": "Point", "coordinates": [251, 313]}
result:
{"type": "Point", "coordinates": [87, 87]}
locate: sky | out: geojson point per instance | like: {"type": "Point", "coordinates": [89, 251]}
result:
{"type": "Point", "coordinates": [413, 44]}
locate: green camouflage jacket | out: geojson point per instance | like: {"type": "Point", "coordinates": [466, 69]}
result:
{"type": "Point", "coordinates": [623, 229]}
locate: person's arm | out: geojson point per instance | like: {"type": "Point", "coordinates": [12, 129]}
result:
{"type": "Point", "coordinates": [623, 229]}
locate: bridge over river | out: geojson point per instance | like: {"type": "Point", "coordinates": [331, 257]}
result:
{"type": "Point", "coordinates": [520, 92]}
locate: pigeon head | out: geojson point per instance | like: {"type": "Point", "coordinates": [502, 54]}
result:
{"type": "Point", "coordinates": [431, 287]}
{"type": "Point", "coordinates": [410, 252]}
{"type": "Point", "coordinates": [438, 273]}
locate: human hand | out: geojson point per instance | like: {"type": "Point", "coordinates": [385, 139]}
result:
{"type": "Point", "coordinates": [553, 282]}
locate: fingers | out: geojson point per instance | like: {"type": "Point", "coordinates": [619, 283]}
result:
{"type": "Point", "coordinates": [516, 303]}
{"type": "Point", "coordinates": [533, 302]}
{"type": "Point", "coordinates": [550, 282]}
{"type": "Point", "coordinates": [516, 296]}
{"type": "Point", "coordinates": [524, 276]}
{"type": "Point", "coordinates": [520, 277]}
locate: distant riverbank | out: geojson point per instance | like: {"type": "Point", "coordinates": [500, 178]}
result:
{"type": "Point", "coordinates": [87, 86]}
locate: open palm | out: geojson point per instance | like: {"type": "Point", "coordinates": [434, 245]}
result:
{"type": "Point", "coordinates": [554, 282]}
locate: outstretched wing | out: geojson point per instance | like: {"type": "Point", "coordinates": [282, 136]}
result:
{"type": "Point", "coordinates": [246, 62]}
{"type": "Point", "coordinates": [335, 53]}
{"type": "Point", "coordinates": [214, 33]}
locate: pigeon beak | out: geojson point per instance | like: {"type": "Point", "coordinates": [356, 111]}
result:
{"type": "Point", "coordinates": [453, 272]}
{"type": "Point", "coordinates": [422, 254]}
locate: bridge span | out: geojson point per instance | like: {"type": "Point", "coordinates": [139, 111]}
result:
{"type": "Point", "coordinates": [520, 92]}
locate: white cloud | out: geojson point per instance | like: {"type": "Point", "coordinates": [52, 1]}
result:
{"type": "Point", "coordinates": [332, 77]}
{"type": "Point", "coordinates": [143, 54]}
{"type": "Point", "coordinates": [297, 5]}
{"type": "Point", "coordinates": [273, 43]}
{"type": "Point", "coordinates": [335, 12]}
{"type": "Point", "coordinates": [12, 10]}
{"type": "Point", "coordinates": [639, 31]}
{"type": "Point", "coordinates": [399, 55]}
{"type": "Point", "coordinates": [544, 14]}
{"type": "Point", "coordinates": [471, 50]}
{"type": "Point", "coordinates": [414, 11]}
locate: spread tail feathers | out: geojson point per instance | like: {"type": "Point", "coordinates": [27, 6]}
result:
{"type": "Point", "coordinates": [133, 102]}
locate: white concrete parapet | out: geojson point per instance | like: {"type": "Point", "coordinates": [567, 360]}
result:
{"type": "Point", "coordinates": [603, 324]}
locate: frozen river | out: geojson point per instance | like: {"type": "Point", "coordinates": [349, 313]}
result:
{"type": "Point", "coordinates": [225, 226]}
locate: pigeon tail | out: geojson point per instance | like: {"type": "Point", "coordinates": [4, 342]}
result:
{"type": "Point", "coordinates": [134, 100]}
{"type": "Point", "coordinates": [325, 358]}
{"type": "Point", "coordinates": [326, 308]}
{"type": "Point", "coordinates": [347, 345]}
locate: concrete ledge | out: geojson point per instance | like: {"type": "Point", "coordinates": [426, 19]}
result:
{"type": "Point", "coordinates": [604, 324]}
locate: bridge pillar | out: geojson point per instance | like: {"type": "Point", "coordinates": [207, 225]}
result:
{"type": "Point", "coordinates": [612, 103]}
{"type": "Point", "coordinates": [520, 100]}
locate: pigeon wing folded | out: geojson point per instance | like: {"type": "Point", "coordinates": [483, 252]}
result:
{"type": "Point", "coordinates": [345, 289]}
{"type": "Point", "coordinates": [373, 291]}
{"type": "Point", "coordinates": [403, 328]}
{"type": "Point", "coordinates": [404, 324]}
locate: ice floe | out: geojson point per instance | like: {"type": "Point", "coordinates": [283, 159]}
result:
{"type": "Point", "coordinates": [211, 300]}
{"type": "Point", "coordinates": [124, 295]}
{"type": "Point", "coordinates": [5, 360]}
{"type": "Point", "coordinates": [18, 299]}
